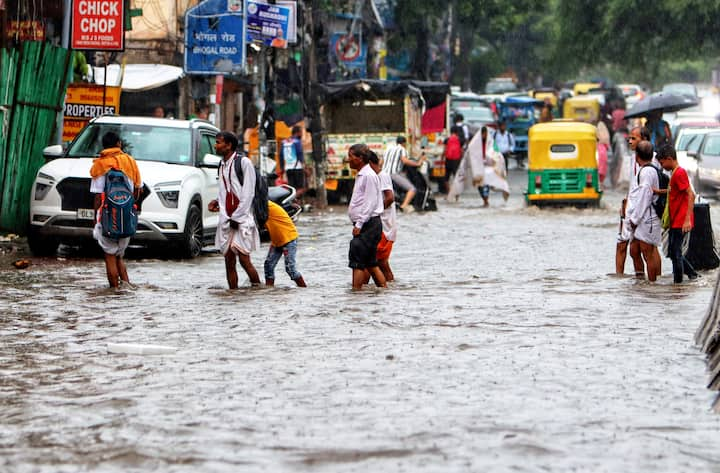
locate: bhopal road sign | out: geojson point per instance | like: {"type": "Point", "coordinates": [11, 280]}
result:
{"type": "Point", "coordinates": [98, 25]}
{"type": "Point", "coordinates": [214, 38]}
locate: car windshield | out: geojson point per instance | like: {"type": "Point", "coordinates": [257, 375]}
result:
{"type": "Point", "coordinates": [477, 115]}
{"type": "Point", "coordinates": [689, 140]}
{"type": "Point", "coordinates": [712, 145]}
{"type": "Point", "coordinates": [142, 142]}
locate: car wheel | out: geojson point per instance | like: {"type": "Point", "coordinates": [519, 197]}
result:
{"type": "Point", "coordinates": [193, 236]}
{"type": "Point", "coordinates": [41, 245]}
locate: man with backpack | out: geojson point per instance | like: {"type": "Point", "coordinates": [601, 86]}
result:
{"type": "Point", "coordinates": [292, 161]}
{"type": "Point", "coordinates": [116, 184]}
{"type": "Point", "coordinates": [641, 216]}
{"type": "Point", "coordinates": [237, 233]}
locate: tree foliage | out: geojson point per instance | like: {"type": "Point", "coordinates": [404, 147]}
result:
{"type": "Point", "coordinates": [559, 39]}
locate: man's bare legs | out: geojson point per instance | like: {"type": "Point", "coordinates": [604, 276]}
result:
{"type": "Point", "coordinates": [359, 278]}
{"type": "Point", "coordinates": [231, 269]}
{"type": "Point", "coordinates": [638, 263]}
{"type": "Point", "coordinates": [652, 259]}
{"type": "Point", "coordinates": [408, 198]}
{"type": "Point", "coordinates": [115, 270]}
{"type": "Point", "coordinates": [384, 266]}
{"type": "Point", "coordinates": [620, 256]}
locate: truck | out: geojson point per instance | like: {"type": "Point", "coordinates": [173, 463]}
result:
{"type": "Point", "coordinates": [376, 112]}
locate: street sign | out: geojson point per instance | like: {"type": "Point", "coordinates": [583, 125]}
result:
{"type": "Point", "coordinates": [214, 38]}
{"type": "Point", "coordinates": [347, 48]}
{"type": "Point", "coordinates": [348, 56]}
{"type": "Point", "coordinates": [86, 101]}
{"type": "Point", "coordinates": [98, 25]}
{"type": "Point", "coordinates": [267, 24]}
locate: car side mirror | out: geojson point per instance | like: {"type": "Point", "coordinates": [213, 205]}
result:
{"type": "Point", "coordinates": [210, 161]}
{"type": "Point", "coordinates": [52, 152]}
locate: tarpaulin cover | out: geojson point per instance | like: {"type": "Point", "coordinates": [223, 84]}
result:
{"type": "Point", "coordinates": [138, 77]}
{"type": "Point", "coordinates": [366, 89]}
{"type": "Point", "coordinates": [433, 120]}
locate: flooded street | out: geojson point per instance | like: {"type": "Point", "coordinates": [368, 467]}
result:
{"type": "Point", "coordinates": [506, 344]}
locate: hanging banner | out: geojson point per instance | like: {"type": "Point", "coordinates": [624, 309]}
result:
{"type": "Point", "coordinates": [267, 24]}
{"type": "Point", "coordinates": [98, 25]}
{"type": "Point", "coordinates": [214, 38]}
{"type": "Point", "coordinates": [86, 101]}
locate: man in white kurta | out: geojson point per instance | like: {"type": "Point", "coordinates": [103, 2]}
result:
{"type": "Point", "coordinates": [640, 214]}
{"type": "Point", "coordinates": [237, 234]}
{"type": "Point", "coordinates": [482, 166]}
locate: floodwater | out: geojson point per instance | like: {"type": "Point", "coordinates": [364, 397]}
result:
{"type": "Point", "coordinates": [504, 345]}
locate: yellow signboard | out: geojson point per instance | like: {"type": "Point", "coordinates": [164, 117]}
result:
{"type": "Point", "coordinates": [86, 101]}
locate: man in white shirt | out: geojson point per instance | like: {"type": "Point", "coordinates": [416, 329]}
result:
{"type": "Point", "coordinates": [505, 142]}
{"type": "Point", "coordinates": [395, 159]}
{"type": "Point", "coordinates": [237, 234]}
{"type": "Point", "coordinates": [636, 135]}
{"type": "Point", "coordinates": [364, 210]}
{"type": "Point", "coordinates": [640, 214]}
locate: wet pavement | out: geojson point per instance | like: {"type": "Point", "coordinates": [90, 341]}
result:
{"type": "Point", "coordinates": [506, 344]}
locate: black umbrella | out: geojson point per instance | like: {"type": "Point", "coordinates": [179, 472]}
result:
{"type": "Point", "coordinates": [660, 101]}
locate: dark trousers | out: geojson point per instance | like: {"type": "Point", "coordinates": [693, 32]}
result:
{"type": "Point", "coordinates": [680, 264]}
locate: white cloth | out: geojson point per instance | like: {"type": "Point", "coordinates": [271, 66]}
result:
{"type": "Point", "coordinates": [639, 211]}
{"type": "Point", "coordinates": [366, 201]}
{"type": "Point", "coordinates": [389, 215]}
{"type": "Point", "coordinates": [246, 238]}
{"type": "Point", "coordinates": [476, 171]}
{"type": "Point", "coordinates": [108, 245]}
{"type": "Point", "coordinates": [392, 159]}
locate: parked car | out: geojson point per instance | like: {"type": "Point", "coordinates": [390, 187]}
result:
{"type": "Point", "coordinates": [707, 178]}
{"type": "Point", "coordinates": [688, 140]}
{"type": "Point", "coordinates": [179, 171]}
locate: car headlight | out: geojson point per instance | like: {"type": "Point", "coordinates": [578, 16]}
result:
{"type": "Point", "coordinates": [169, 193]}
{"type": "Point", "coordinates": [42, 188]}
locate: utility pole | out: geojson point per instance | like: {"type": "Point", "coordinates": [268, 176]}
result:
{"type": "Point", "coordinates": [313, 106]}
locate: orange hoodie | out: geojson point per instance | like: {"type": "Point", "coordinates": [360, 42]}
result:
{"type": "Point", "coordinates": [114, 158]}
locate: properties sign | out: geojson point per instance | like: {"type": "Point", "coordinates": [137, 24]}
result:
{"type": "Point", "coordinates": [86, 101]}
{"type": "Point", "coordinates": [97, 25]}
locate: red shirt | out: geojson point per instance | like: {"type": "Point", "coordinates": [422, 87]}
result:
{"type": "Point", "coordinates": [678, 198]}
{"type": "Point", "coordinates": [453, 149]}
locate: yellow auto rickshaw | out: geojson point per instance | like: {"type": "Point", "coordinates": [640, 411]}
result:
{"type": "Point", "coordinates": [582, 108]}
{"type": "Point", "coordinates": [562, 164]}
{"type": "Point", "coordinates": [584, 87]}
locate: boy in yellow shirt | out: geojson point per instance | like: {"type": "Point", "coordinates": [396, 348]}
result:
{"type": "Point", "coordinates": [283, 242]}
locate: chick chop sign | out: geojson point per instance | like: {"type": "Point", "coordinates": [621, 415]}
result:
{"type": "Point", "coordinates": [98, 25]}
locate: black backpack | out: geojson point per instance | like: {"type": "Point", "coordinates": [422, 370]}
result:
{"type": "Point", "coordinates": [260, 201]}
{"type": "Point", "coordinates": [664, 182]}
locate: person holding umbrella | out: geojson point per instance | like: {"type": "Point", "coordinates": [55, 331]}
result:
{"type": "Point", "coordinates": [660, 133]}
{"type": "Point", "coordinates": [652, 107]}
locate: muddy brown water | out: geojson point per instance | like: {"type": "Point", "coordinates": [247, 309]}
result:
{"type": "Point", "coordinates": [504, 345]}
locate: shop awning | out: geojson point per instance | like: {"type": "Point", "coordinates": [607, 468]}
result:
{"type": "Point", "coordinates": [138, 77]}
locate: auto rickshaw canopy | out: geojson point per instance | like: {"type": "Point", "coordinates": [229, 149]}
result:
{"type": "Point", "coordinates": [583, 108]}
{"type": "Point", "coordinates": [562, 145]}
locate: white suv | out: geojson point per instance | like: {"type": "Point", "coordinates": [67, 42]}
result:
{"type": "Point", "coordinates": [178, 168]}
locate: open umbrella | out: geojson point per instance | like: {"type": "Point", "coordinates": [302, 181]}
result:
{"type": "Point", "coordinates": [660, 101]}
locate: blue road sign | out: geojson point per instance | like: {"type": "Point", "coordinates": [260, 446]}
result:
{"type": "Point", "coordinates": [215, 38]}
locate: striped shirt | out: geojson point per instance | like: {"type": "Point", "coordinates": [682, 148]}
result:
{"type": "Point", "coordinates": [393, 159]}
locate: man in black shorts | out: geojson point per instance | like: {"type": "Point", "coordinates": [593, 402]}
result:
{"type": "Point", "coordinates": [292, 161]}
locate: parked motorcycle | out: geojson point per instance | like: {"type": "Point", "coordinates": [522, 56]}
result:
{"type": "Point", "coordinates": [284, 196]}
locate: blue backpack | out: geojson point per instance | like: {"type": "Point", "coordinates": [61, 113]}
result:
{"type": "Point", "coordinates": [118, 217]}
